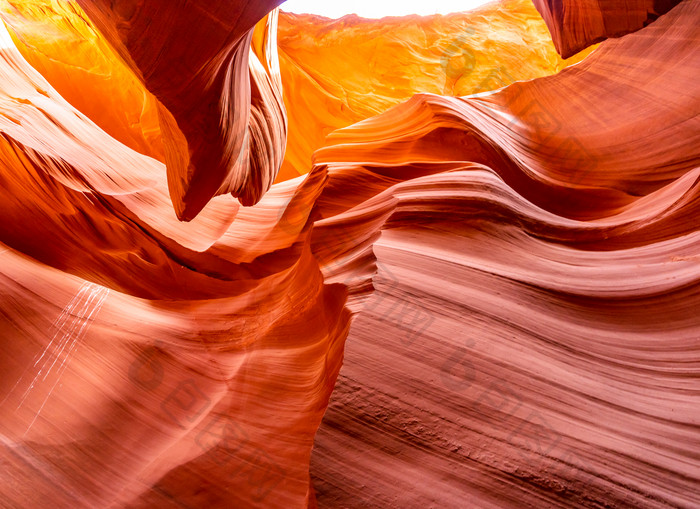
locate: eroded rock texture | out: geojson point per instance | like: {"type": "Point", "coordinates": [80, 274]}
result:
{"type": "Point", "coordinates": [574, 25]}
{"type": "Point", "coordinates": [339, 72]}
{"type": "Point", "coordinates": [531, 339]}
{"type": "Point", "coordinates": [216, 102]}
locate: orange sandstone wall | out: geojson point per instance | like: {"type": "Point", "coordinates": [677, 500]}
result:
{"type": "Point", "coordinates": [523, 266]}
{"type": "Point", "coordinates": [338, 72]}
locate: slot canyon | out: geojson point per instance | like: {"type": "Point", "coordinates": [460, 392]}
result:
{"type": "Point", "coordinates": [251, 258]}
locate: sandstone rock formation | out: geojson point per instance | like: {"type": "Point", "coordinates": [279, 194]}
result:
{"type": "Point", "coordinates": [575, 25]}
{"type": "Point", "coordinates": [532, 341]}
{"type": "Point", "coordinates": [523, 268]}
{"type": "Point", "coordinates": [208, 82]}
{"type": "Point", "coordinates": [338, 72]}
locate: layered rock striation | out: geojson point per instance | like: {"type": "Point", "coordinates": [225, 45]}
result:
{"type": "Point", "coordinates": [522, 266]}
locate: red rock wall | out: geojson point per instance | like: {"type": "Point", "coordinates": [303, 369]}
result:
{"type": "Point", "coordinates": [532, 340]}
{"type": "Point", "coordinates": [576, 24]}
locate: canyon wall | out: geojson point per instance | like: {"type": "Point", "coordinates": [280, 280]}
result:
{"type": "Point", "coordinates": [492, 298]}
{"type": "Point", "coordinates": [338, 72]}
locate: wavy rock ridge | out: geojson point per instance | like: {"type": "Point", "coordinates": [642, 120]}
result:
{"type": "Point", "coordinates": [531, 340]}
{"type": "Point", "coordinates": [339, 72]}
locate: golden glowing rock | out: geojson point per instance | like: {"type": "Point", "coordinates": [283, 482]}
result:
{"type": "Point", "coordinates": [216, 103]}
{"type": "Point", "coordinates": [61, 43]}
{"type": "Point", "coordinates": [338, 72]}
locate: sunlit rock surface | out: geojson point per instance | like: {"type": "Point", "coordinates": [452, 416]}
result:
{"type": "Point", "coordinates": [209, 83]}
{"type": "Point", "coordinates": [338, 72]}
{"type": "Point", "coordinates": [532, 339]}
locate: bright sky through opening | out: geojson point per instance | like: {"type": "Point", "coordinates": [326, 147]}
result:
{"type": "Point", "coordinates": [379, 8]}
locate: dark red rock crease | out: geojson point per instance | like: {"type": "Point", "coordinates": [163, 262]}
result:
{"type": "Point", "coordinates": [576, 24]}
